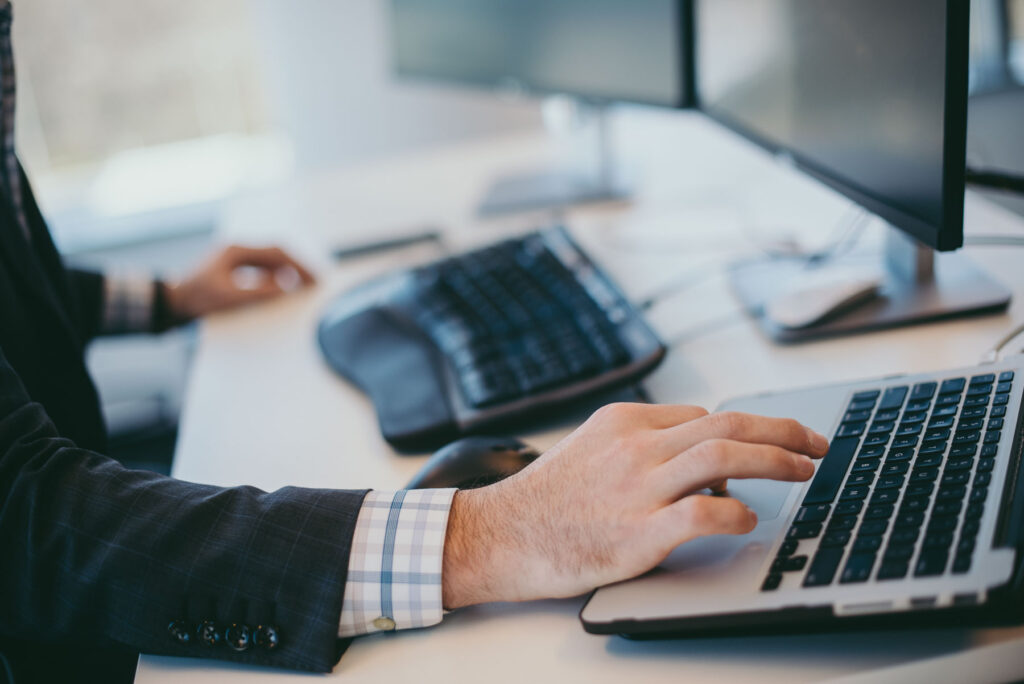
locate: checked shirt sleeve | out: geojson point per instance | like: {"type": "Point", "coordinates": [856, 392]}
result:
{"type": "Point", "coordinates": [394, 570]}
{"type": "Point", "coordinates": [127, 304]}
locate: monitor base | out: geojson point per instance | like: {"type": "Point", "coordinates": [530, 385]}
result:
{"type": "Point", "coordinates": [549, 190]}
{"type": "Point", "coordinates": [948, 286]}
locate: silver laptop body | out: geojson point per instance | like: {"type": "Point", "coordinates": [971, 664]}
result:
{"type": "Point", "coordinates": [752, 583]}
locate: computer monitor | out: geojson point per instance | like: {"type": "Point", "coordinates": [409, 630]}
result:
{"type": "Point", "coordinates": [869, 97]}
{"type": "Point", "coordinates": [598, 51]}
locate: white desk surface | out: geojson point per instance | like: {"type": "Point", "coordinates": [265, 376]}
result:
{"type": "Point", "coordinates": [263, 409]}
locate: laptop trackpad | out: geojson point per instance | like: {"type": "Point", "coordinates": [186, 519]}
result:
{"type": "Point", "coordinates": [764, 497]}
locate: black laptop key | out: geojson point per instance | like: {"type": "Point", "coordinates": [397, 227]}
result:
{"type": "Point", "coordinates": [865, 544]}
{"type": "Point", "coordinates": [804, 530]}
{"type": "Point", "coordinates": [969, 437]}
{"type": "Point", "coordinates": [812, 514]}
{"type": "Point", "coordinates": [908, 429]}
{"type": "Point", "coordinates": [941, 422]}
{"type": "Point", "coordinates": [893, 398]}
{"type": "Point", "coordinates": [831, 472]}
{"type": "Point", "coordinates": [995, 424]}
{"type": "Point", "coordinates": [1006, 376]}
{"type": "Point", "coordinates": [916, 417]}
{"type": "Point", "coordinates": [852, 493]}
{"type": "Point", "coordinates": [986, 464]}
{"type": "Point", "coordinates": [966, 424]}
{"type": "Point", "coordinates": [945, 523]}
{"type": "Point", "coordinates": [867, 395]}
{"type": "Point", "coordinates": [933, 448]}
{"type": "Point", "coordinates": [989, 450]}
{"type": "Point", "coordinates": [983, 479]}
{"type": "Point", "coordinates": [924, 390]}
{"type": "Point", "coordinates": [823, 568]}
{"type": "Point", "coordinates": [772, 582]}
{"type": "Point", "coordinates": [993, 436]}
{"type": "Point", "coordinates": [965, 545]}
{"type": "Point", "coordinates": [904, 538]}
{"type": "Point", "coordinates": [979, 494]}
{"type": "Point", "coordinates": [931, 562]}
{"type": "Point", "coordinates": [844, 522]}
{"type": "Point", "coordinates": [964, 451]}
{"type": "Point", "coordinates": [904, 442]}
{"type": "Point", "coordinates": [895, 469]}
{"type": "Point", "coordinates": [958, 464]}
{"type": "Point", "coordinates": [861, 479]}
{"type": "Point", "coordinates": [928, 460]}
{"type": "Point", "coordinates": [851, 429]}
{"type": "Point", "coordinates": [879, 511]}
{"type": "Point", "coordinates": [924, 475]}
{"type": "Point", "coordinates": [884, 496]}
{"type": "Point", "coordinates": [919, 405]}
{"type": "Point", "coordinates": [937, 539]}
{"type": "Point", "coordinates": [915, 503]}
{"type": "Point", "coordinates": [975, 412]}
{"type": "Point", "coordinates": [863, 405]}
{"type": "Point", "coordinates": [878, 429]}
{"type": "Point", "coordinates": [955, 477]}
{"type": "Point", "coordinates": [908, 519]}
{"type": "Point", "coordinates": [979, 390]}
{"type": "Point", "coordinates": [789, 564]}
{"type": "Point", "coordinates": [951, 492]}
{"type": "Point", "coordinates": [899, 455]}
{"type": "Point", "coordinates": [889, 415]}
{"type": "Point", "coordinates": [920, 489]}
{"type": "Point", "coordinates": [871, 528]}
{"type": "Point", "coordinates": [788, 547]}
{"type": "Point", "coordinates": [903, 552]}
{"type": "Point", "coordinates": [945, 411]}
{"type": "Point", "coordinates": [861, 416]}
{"type": "Point", "coordinates": [890, 482]}
{"type": "Point", "coordinates": [976, 402]}
{"type": "Point", "coordinates": [984, 379]}
{"type": "Point", "coordinates": [961, 563]}
{"type": "Point", "coordinates": [893, 568]}
{"type": "Point", "coordinates": [1003, 387]}
{"type": "Point", "coordinates": [948, 400]}
{"type": "Point", "coordinates": [836, 538]}
{"type": "Point", "coordinates": [948, 507]}
{"type": "Point", "coordinates": [858, 568]}
{"type": "Point", "coordinates": [974, 511]}
{"type": "Point", "coordinates": [998, 411]}
{"type": "Point", "coordinates": [970, 528]}
{"type": "Point", "coordinates": [953, 385]}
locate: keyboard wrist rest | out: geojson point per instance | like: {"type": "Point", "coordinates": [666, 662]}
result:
{"type": "Point", "coordinates": [397, 366]}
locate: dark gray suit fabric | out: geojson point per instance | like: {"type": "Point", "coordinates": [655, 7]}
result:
{"type": "Point", "coordinates": [95, 556]}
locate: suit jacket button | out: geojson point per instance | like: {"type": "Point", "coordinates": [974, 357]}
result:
{"type": "Point", "coordinates": [208, 633]}
{"type": "Point", "coordinates": [237, 637]}
{"type": "Point", "coordinates": [180, 632]}
{"type": "Point", "coordinates": [267, 637]}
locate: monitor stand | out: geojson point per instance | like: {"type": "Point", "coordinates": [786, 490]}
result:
{"type": "Point", "coordinates": [559, 188]}
{"type": "Point", "coordinates": [917, 285]}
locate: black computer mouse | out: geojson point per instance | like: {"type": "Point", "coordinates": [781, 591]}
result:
{"type": "Point", "coordinates": [473, 462]}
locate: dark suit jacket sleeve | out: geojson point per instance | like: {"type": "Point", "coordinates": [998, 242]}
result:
{"type": "Point", "coordinates": [88, 293]}
{"type": "Point", "coordinates": [95, 553]}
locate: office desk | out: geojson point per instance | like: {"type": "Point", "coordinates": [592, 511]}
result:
{"type": "Point", "coordinates": [263, 409]}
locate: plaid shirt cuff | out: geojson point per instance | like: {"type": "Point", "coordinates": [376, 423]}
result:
{"type": "Point", "coordinates": [127, 305]}
{"type": "Point", "coordinates": [394, 571]}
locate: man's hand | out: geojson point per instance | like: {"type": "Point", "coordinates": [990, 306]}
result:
{"type": "Point", "coordinates": [235, 276]}
{"type": "Point", "coordinates": [612, 499]}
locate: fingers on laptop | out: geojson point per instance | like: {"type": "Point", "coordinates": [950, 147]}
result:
{"type": "Point", "coordinates": [699, 515]}
{"type": "Point", "coordinates": [745, 427]}
{"type": "Point", "coordinates": [716, 460]}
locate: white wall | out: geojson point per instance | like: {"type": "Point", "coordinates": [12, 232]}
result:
{"type": "Point", "coordinates": [330, 88]}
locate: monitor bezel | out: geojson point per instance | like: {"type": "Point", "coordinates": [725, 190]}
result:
{"type": "Point", "coordinates": [948, 234]}
{"type": "Point", "coordinates": [687, 89]}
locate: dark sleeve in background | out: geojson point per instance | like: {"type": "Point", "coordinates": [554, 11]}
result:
{"type": "Point", "coordinates": [88, 293]}
{"type": "Point", "coordinates": [94, 553]}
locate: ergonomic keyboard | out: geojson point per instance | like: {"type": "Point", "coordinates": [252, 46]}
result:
{"type": "Point", "coordinates": [903, 487]}
{"type": "Point", "coordinates": [470, 341]}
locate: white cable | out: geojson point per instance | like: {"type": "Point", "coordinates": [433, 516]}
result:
{"type": "Point", "coordinates": [993, 354]}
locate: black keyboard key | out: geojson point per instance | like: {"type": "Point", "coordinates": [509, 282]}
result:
{"type": "Point", "coordinates": [995, 424]}
{"type": "Point", "coordinates": [836, 538]}
{"type": "Point", "coordinates": [970, 424]}
{"type": "Point", "coordinates": [904, 537]}
{"type": "Point", "coordinates": [985, 379]}
{"type": "Point", "coordinates": [858, 568]}
{"type": "Point", "coordinates": [958, 464]}
{"type": "Point", "coordinates": [997, 411]}
{"type": "Point", "coordinates": [852, 493]}
{"type": "Point", "coordinates": [871, 528]}
{"type": "Point", "coordinates": [812, 514]}
{"type": "Point", "coordinates": [965, 546]}
{"type": "Point", "coordinates": [948, 400]}
{"type": "Point", "coordinates": [861, 405]}
{"type": "Point", "coordinates": [895, 469]}
{"type": "Point", "coordinates": [952, 492]}
{"type": "Point", "coordinates": [899, 455]}
{"type": "Point", "coordinates": [931, 562]}
{"type": "Point", "coordinates": [979, 390]}
{"type": "Point", "coordinates": [883, 496]}
{"type": "Point", "coordinates": [865, 544]}
{"type": "Point", "coordinates": [993, 436]}
{"type": "Point", "coordinates": [969, 437]}
{"type": "Point", "coordinates": [947, 508]}
{"type": "Point", "coordinates": [908, 519]}
{"type": "Point", "coordinates": [917, 417]}
{"type": "Point", "coordinates": [893, 398]}
{"type": "Point", "coordinates": [876, 440]}
{"type": "Point", "coordinates": [915, 503]}
{"type": "Point", "coordinates": [851, 429]}
{"type": "Point", "coordinates": [964, 451]}
{"type": "Point", "coordinates": [879, 428]}
{"type": "Point", "coordinates": [866, 395]}
{"type": "Point", "coordinates": [823, 568]}
{"type": "Point", "coordinates": [924, 390]}
{"type": "Point", "coordinates": [924, 475]}
{"type": "Point", "coordinates": [945, 523]}
{"type": "Point", "coordinates": [979, 494]}
{"type": "Point", "coordinates": [788, 547]}
{"type": "Point", "coordinates": [961, 563]}
{"type": "Point", "coordinates": [1006, 376]}
{"type": "Point", "coordinates": [849, 507]}
{"type": "Point", "coordinates": [941, 422]}
{"type": "Point", "coordinates": [937, 539]}
{"type": "Point", "coordinates": [789, 564]}
{"type": "Point", "coordinates": [983, 479]}
{"type": "Point", "coordinates": [920, 489]}
{"type": "Point", "coordinates": [890, 482]}
{"type": "Point", "coordinates": [804, 531]}
{"type": "Point", "coordinates": [955, 477]}
{"type": "Point", "coordinates": [945, 411]}
{"type": "Point", "coordinates": [890, 415]}
{"type": "Point", "coordinates": [772, 582]}
{"type": "Point", "coordinates": [919, 405]}
{"type": "Point", "coordinates": [933, 448]}
{"type": "Point", "coordinates": [902, 442]}
{"type": "Point", "coordinates": [893, 569]}
{"type": "Point", "coordinates": [976, 402]}
{"type": "Point", "coordinates": [1003, 387]}
{"type": "Point", "coordinates": [908, 429]}
{"type": "Point", "coordinates": [903, 552]}
{"type": "Point", "coordinates": [861, 479]}
{"type": "Point", "coordinates": [974, 412]}
{"type": "Point", "coordinates": [929, 460]}
{"type": "Point", "coordinates": [989, 450]}
{"type": "Point", "coordinates": [986, 464]}
{"type": "Point", "coordinates": [970, 528]}
{"type": "Point", "coordinates": [857, 416]}
{"type": "Point", "coordinates": [843, 523]}
{"type": "Point", "coordinates": [831, 472]}
{"type": "Point", "coordinates": [974, 511]}
{"type": "Point", "coordinates": [953, 385]}
{"type": "Point", "coordinates": [879, 511]}
{"type": "Point", "coordinates": [936, 435]}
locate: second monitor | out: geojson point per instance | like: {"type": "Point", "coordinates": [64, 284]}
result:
{"type": "Point", "coordinates": [869, 97]}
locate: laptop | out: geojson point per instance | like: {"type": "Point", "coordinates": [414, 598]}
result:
{"type": "Point", "coordinates": [915, 517]}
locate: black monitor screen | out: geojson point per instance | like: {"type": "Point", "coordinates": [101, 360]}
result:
{"type": "Point", "coordinates": [629, 50]}
{"type": "Point", "coordinates": [869, 95]}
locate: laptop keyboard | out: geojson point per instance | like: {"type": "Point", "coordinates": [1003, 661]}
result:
{"type": "Point", "coordinates": [903, 487]}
